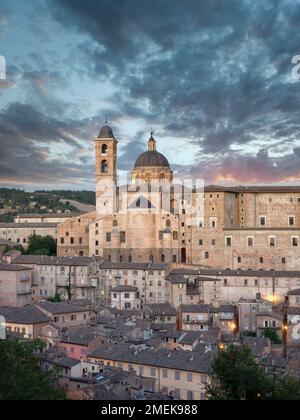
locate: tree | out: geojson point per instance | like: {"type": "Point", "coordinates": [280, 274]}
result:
{"type": "Point", "coordinates": [21, 376]}
{"type": "Point", "coordinates": [55, 299]}
{"type": "Point", "coordinates": [16, 248]}
{"type": "Point", "coordinates": [271, 335]}
{"type": "Point", "coordinates": [41, 245]}
{"type": "Point", "coordinates": [286, 388]}
{"type": "Point", "coordinates": [237, 376]}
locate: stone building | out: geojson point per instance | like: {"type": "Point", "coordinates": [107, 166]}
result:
{"type": "Point", "coordinates": [153, 218]}
{"type": "Point", "coordinates": [16, 282]}
{"type": "Point", "coordinates": [20, 232]}
{"type": "Point", "coordinates": [76, 277]}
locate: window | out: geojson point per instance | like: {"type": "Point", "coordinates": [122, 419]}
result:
{"type": "Point", "coordinates": [245, 282]}
{"type": "Point", "coordinates": [127, 295]}
{"type": "Point", "coordinates": [123, 237]}
{"type": "Point", "coordinates": [190, 377]}
{"type": "Point", "coordinates": [165, 374]}
{"type": "Point", "coordinates": [190, 395]}
{"type": "Point", "coordinates": [200, 242]}
{"type": "Point", "coordinates": [213, 242]}
{"type": "Point", "coordinates": [168, 223]}
{"type": "Point", "coordinates": [250, 241]}
{"type": "Point", "coordinates": [261, 260]}
{"type": "Point", "coordinates": [213, 222]}
{"type": "Point", "coordinates": [283, 260]}
{"type": "Point", "coordinates": [104, 149]}
{"type": "Point", "coordinates": [141, 370]}
{"type": "Point", "coordinates": [272, 241]}
{"type": "Point", "coordinates": [177, 376]}
{"type": "Point", "coordinates": [174, 258]}
{"type": "Point", "coordinates": [262, 221]}
{"type": "Point", "coordinates": [108, 237]}
{"type": "Point", "coordinates": [62, 240]}
{"type": "Point", "coordinates": [291, 220]}
{"type": "Point", "coordinates": [115, 223]}
{"type": "Point", "coordinates": [153, 372]}
{"type": "Point", "coordinates": [228, 241]}
{"type": "Point", "coordinates": [239, 260]}
{"type": "Point", "coordinates": [163, 259]}
{"type": "Point", "coordinates": [104, 167]}
{"type": "Point", "coordinates": [295, 241]}
{"type": "Point", "coordinates": [175, 236]}
{"type": "Point", "coordinates": [206, 255]}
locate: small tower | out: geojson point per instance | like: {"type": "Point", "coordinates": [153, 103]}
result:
{"type": "Point", "coordinates": [152, 144]}
{"type": "Point", "coordinates": [106, 171]}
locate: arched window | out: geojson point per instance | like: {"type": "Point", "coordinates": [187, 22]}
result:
{"type": "Point", "coordinates": [163, 258]}
{"type": "Point", "coordinates": [104, 167]}
{"type": "Point", "coordinates": [104, 149]}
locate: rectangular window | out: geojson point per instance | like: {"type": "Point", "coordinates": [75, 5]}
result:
{"type": "Point", "coordinates": [177, 376]}
{"type": "Point", "coordinates": [250, 241]}
{"type": "Point", "coordinates": [228, 241]}
{"type": "Point", "coordinates": [190, 377]}
{"type": "Point", "coordinates": [262, 221]}
{"type": "Point", "coordinates": [153, 372]}
{"type": "Point", "coordinates": [291, 220]}
{"type": "Point", "coordinates": [272, 241]}
{"type": "Point", "coordinates": [108, 237]}
{"type": "Point", "coordinates": [165, 374]}
{"type": "Point", "coordinates": [175, 236]}
{"type": "Point", "coordinates": [295, 241]}
{"type": "Point", "coordinates": [123, 237]}
{"type": "Point", "coordinates": [190, 395]}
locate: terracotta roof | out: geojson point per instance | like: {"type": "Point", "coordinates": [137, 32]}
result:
{"type": "Point", "coordinates": [14, 267]}
{"type": "Point", "coordinates": [27, 315]}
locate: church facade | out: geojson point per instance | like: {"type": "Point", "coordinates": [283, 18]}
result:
{"type": "Point", "coordinates": [153, 219]}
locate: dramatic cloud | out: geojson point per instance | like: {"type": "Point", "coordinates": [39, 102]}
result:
{"type": "Point", "coordinates": [212, 78]}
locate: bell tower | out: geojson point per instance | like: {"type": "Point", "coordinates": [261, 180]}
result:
{"type": "Point", "coordinates": [106, 171]}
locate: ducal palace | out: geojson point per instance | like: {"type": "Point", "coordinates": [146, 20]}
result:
{"type": "Point", "coordinates": [244, 227]}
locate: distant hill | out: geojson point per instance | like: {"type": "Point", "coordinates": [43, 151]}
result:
{"type": "Point", "coordinates": [14, 201]}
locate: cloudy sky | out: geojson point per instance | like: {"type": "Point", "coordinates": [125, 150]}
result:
{"type": "Point", "coordinates": [213, 78]}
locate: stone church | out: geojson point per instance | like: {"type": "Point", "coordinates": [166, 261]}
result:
{"type": "Point", "coordinates": [153, 219]}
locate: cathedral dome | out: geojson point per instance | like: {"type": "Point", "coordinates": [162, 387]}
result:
{"type": "Point", "coordinates": [106, 133]}
{"type": "Point", "coordinates": [152, 158]}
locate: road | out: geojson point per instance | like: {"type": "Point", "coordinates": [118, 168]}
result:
{"type": "Point", "coordinates": [84, 208]}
